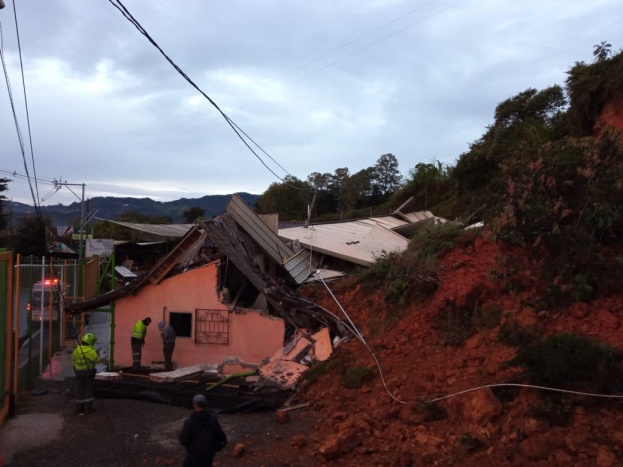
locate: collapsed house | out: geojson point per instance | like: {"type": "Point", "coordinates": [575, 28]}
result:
{"type": "Point", "coordinates": [228, 288]}
{"type": "Point", "coordinates": [232, 305]}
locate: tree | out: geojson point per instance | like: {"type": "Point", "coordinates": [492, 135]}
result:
{"type": "Point", "coordinates": [357, 190]}
{"type": "Point", "coordinates": [289, 199]}
{"type": "Point", "coordinates": [427, 184]}
{"type": "Point", "coordinates": [192, 214]}
{"type": "Point", "coordinates": [3, 187]}
{"type": "Point", "coordinates": [602, 51]}
{"type": "Point", "coordinates": [326, 200]}
{"type": "Point", "coordinates": [31, 236]}
{"type": "Point", "coordinates": [386, 177]}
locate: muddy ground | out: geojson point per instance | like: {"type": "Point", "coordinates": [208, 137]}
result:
{"type": "Point", "coordinates": [127, 432]}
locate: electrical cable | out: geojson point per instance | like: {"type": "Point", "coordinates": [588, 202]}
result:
{"type": "Point", "coordinates": [19, 132]}
{"type": "Point", "coordinates": [361, 339]}
{"type": "Point", "coordinates": [21, 64]}
{"type": "Point", "coordinates": [124, 11]}
{"type": "Point", "coordinates": [356, 39]}
{"type": "Point", "coordinates": [532, 386]}
{"type": "Point", "coordinates": [477, 388]}
{"type": "Point", "coordinates": [367, 46]}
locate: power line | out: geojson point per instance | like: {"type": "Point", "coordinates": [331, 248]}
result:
{"type": "Point", "coordinates": [367, 46]}
{"type": "Point", "coordinates": [352, 41]}
{"type": "Point", "coordinates": [21, 64]}
{"type": "Point", "coordinates": [19, 132]}
{"type": "Point", "coordinates": [326, 54]}
{"type": "Point", "coordinates": [124, 11]}
{"type": "Point", "coordinates": [15, 174]}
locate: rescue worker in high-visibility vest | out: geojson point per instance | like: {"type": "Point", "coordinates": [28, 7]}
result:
{"type": "Point", "coordinates": [84, 358]}
{"type": "Point", "coordinates": [138, 341]}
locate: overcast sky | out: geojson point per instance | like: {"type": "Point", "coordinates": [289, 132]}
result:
{"type": "Point", "coordinates": [319, 85]}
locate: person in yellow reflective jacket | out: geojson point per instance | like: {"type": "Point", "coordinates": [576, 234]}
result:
{"type": "Point", "coordinates": [83, 359]}
{"type": "Point", "coordinates": [138, 341]}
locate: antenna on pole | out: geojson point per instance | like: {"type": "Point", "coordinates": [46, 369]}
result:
{"type": "Point", "coordinates": [57, 186]}
{"type": "Point", "coordinates": [310, 209]}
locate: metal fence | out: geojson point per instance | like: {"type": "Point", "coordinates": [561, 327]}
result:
{"type": "Point", "coordinates": [42, 288]}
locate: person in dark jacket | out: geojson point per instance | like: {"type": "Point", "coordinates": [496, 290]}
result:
{"type": "Point", "coordinates": [202, 435]}
{"type": "Point", "coordinates": [168, 344]}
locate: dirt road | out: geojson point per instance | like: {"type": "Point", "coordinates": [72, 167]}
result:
{"type": "Point", "coordinates": [125, 432]}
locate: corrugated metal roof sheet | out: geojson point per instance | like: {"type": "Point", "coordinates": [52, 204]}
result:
{"type": "Point", "coordinates": [389, 222]}
{"type": "Point", "coordinates": [418, 216]}
{"type": "Point", "coordinates": [249, 221]}
{"type": "Point", "coordinates": [163, 230]}
{"type": "Point", "coordinates": [300, 266]}
{"type": "Point", "coordinates": [359, 242]}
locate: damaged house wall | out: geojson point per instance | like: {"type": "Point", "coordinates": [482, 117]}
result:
{"type": "Point", "coordinates": [214, 335]}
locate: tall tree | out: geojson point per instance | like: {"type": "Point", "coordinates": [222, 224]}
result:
{"type": "Point", "coordinates": [358, 189]}
{"type": "Point", "coordinates": [336, 185]}
{"type": "Point", "coordinates": [602, 51]}
{"type": "Point", "coordinates": [386, 178]}
{"type": "Point", "coordinates": [326, 200]}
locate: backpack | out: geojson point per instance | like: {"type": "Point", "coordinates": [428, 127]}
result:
{"type": "Point", "coordinates": [212, 438]}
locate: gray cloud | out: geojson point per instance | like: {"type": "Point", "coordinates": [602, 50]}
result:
{"type": "Point", "coordinates": [319, 85]}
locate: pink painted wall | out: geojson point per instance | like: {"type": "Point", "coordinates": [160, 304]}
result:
{"type": "Point", "coordinates": [252, 336]}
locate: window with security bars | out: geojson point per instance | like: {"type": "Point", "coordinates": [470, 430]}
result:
{"type": "Point", "coordinates": [211, 326]}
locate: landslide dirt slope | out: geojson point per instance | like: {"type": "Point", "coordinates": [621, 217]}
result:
{"type": "Point", "coordinates": [386, 426]}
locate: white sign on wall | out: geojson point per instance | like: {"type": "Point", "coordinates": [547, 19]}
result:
{"type": "Point", "coordinates": [99, 247]}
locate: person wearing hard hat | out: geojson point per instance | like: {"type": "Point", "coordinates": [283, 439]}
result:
{"type": "Point", "coordinates": [83, 359]}
{"type": "Point", "coordinates": [168, 344]}
{"type": "Point", "coordinates": [138, 341]}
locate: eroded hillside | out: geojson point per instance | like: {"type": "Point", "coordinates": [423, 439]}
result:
{"type": "Point", "coordinates": [408, 422]}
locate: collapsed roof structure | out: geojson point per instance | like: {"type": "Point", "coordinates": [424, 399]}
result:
{"type": "Point", "coordinates": [261, 268]}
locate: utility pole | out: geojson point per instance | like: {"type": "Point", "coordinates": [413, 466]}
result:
{"type": "Point", "coordinates": [57, 186]}
{"type": "Point", "coordinates": [82, 226]}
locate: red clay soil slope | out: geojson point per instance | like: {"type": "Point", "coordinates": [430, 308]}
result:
{"type": "Point", "coordinates": [390, 421]}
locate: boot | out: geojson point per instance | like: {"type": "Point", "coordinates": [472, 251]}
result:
{"type": "Point", "coordinates": [80, 409]}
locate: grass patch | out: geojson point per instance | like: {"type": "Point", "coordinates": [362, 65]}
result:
{"type": "Point", "coordinates": [413, 273]}
{"type": "Point", "coordinates": [514, 334]}
{"type": "Point", "coordinates": [458, 325]}
{"type": "Point", "coordinates": [434, 411]}
{"type": "Point", "coordinates": [317, 370]}
{"type": "Point", "coordinates": [355, 378]}
{"type": "Point", "coordinates": [568, 361]}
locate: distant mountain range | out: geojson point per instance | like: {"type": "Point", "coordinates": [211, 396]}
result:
{"type": "Point", "coordinates": [108, 207]}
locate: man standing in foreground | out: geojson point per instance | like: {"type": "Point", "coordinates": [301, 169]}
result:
{"type": "Point", "coordinates": [168, 344]}
{"type": "Point", "coordinates": [83, 359]}
{"type": "Point", "coordinates": [138, 341]}
{"type": "Point", "coordinates": [202, 435]}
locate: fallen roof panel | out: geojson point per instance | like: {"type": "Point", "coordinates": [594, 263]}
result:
{"type": "Point", "coordinates": [163, 230]}
{"type": "Point", "coordinates": [358, 242]}
{"type": "Point", "coordinates": [254, 226]}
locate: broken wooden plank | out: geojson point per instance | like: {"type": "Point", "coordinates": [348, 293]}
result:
{"type": "Point", "coordinates": [295, 407]}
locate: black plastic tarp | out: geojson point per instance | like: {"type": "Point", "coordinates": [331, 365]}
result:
{"type": "Point", "coordinates": [230, 398]}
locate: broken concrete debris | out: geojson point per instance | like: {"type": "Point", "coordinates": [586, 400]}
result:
{"type": "Point", "coordinates": [287, 365]}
